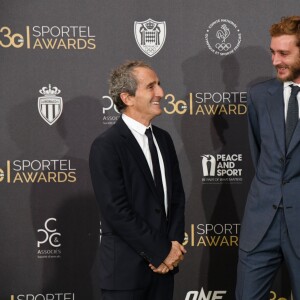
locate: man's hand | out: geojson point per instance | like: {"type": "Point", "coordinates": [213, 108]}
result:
{"type": "Point", "coordinates": [175, 256]}
{"type": "Point", "coordinates": [161, 269]}
{"type": "Point", "coordinates": [172, 260]}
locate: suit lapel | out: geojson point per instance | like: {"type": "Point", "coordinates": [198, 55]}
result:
{"type": "Point", "coordinates": [295, 138]}
{"type": "Point", "coordinates": [275, 104]}
{"type": "Point", "coordinates": [137, 153]}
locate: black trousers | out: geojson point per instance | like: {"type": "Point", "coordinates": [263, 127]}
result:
{"type": "Point", "coordinates": [161, 288]}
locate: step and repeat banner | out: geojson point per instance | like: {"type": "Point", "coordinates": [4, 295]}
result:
{"type": "Point", "coordinates": [55, 59]}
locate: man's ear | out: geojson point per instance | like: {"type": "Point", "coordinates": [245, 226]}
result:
{"type": "Point", "coordinates": [126, 98]}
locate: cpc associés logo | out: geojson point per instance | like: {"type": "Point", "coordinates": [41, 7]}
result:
{"type": "Point", "coordinates": [109, 111]}
{"type": "Point", "coordinates": [223, 37]}
{"type": "Point", "coordinates": [50, 238]}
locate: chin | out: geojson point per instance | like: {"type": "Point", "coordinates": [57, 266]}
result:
{"type": "Point", "coordinates": [284, 78]}
{"type": "Point", "coordinates": [158, 112]}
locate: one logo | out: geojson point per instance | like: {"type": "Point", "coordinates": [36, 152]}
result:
{"type": "Point", "coordinates": [150, 36]}
{"type": "Point", "coordinates": [51, 235]}
{"type": "Point", "coordinates": [223, 37]}
{"type": "Point", "coordinates": [208, 165]}
{"type": "Point", "coordinates": [1, 175]}
{"type": "Point", "coordinates": [50, 106]}
{"type": "Point", "coordinates": [211, 295]}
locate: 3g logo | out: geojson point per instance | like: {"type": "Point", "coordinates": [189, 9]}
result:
{"type": "Point", "coordinates": [7, 39]}
{"type": "Point", "coordinates": [179, 106]}
{"type": "Point", "coordinates": [50, 235]}
{"type": "Point", "coordinates": [274, 297]}
{"type": "Point", "coordinates": [1, 175]}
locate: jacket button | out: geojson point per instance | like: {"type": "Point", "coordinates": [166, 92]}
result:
{"type": "Point", "coordinates": [274, 206]}
{"type": "Point", "coordinates": [284, 182]}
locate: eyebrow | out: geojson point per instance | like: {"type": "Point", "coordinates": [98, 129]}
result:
{"type": "Point", "coordinates": [280, 51]}
{"type": "Point", "coordinates": [153, 82]}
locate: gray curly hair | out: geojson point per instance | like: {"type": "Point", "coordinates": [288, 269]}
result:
{"type": "Point", "coordinates": [122, 80]}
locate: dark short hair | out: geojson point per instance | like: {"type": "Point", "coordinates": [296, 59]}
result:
{"type": "Point", "coordinates": [287, 25]}
{"type": "Point", "coordinates": [122, 80]}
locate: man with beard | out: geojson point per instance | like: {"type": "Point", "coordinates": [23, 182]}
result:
{"type": "Point", "coordinates": [270, 231]}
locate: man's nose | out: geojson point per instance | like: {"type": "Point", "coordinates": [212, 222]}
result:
{"type": "Point", "coordinates": [159, 91]}
{"type": "Point", "coordinates": [276, 59]}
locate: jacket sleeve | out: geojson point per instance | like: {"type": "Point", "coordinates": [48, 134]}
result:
{"type": "Point", "coordinates": [253, 130]}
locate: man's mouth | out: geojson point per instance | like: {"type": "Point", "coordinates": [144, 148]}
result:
{"type": "Point", "coordinates": [282, 69]}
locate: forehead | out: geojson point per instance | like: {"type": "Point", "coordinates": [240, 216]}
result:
{"type": "Point", "coordinates": [284, 42]}
{"type": "Point", "coordinates": [145, 75]}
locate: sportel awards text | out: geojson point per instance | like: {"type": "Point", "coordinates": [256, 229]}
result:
{"type": "Point", "coordinates": [212, 235]}
{"type": "Point", "coordinates": [40, 171]}
{"type": "Point", "coordinates": [75, 37]}
{"type": "Point", "coordinates": [227, 103]}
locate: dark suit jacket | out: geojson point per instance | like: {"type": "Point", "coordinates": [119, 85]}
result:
{"type": "Point", "coordinates": [277, 170]}
{"type": "Point", "coordinates": [135, 231]}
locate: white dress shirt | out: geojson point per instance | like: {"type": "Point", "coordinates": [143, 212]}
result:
{"type": "Point", "coordinates": [138, 130]}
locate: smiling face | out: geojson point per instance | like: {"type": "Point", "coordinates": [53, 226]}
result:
{"type": "Point", "coordinates": [145, 104]}
{"type": "Point", "coordinates": [286, 57]}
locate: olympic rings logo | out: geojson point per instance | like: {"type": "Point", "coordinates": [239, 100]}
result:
{"type": "Point", "coordinates": [223, 46]}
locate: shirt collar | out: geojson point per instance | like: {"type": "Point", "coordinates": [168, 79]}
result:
{"type": "Point", "coordinates": [288, 83]}
{"type": "Point", "coordinates": [134, 125]}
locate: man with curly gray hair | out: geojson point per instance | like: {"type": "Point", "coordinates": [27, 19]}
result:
{"type": "Point", "coordinates": [122, 80]}
{"type": "Point", "coordinates": [137, 183]}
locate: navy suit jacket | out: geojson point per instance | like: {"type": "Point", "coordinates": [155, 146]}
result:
{"type": "Point", "coordinates": [135, 230]}
{"type": "Point", "coordinates": [277, 170]}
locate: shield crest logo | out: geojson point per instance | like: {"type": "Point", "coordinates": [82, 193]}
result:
{"type": "Point", "coordinates": [150, 36]}
{"type": "Point", "coordinates": [50, 106]}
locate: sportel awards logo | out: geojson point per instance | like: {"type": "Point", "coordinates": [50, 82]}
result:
{"type": "Point", "coordinates": [55, 296]}
{"type": "Point", "coordinates": [38, 171]}
{"type": "Point", "coordinates": [207, 104]}
{"type": "Point", "coordinates": [223, 37]}
{"type": "Point", "coordinates": [150, 36]}
{"type": "Point", "coordinates": [50, 106]}
{"type": "Point", "coordinates": [212, 235]}
{"type": "Point", "coordinates": [222, 168]}
{"type": "Point", "coordinates": [50, 238]}
{"type": "Point", "coordinates": [48, 38]}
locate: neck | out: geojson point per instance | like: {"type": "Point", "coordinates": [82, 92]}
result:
{"type": "Point", "coordinates": [137, 117]}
